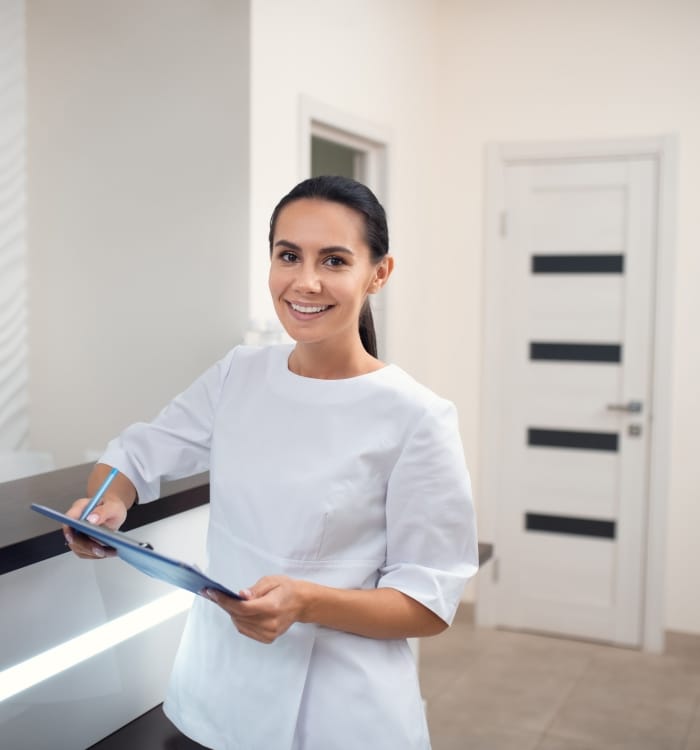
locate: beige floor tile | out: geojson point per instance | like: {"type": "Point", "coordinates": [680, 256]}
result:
{"type": "Point", "coordinates": [632, 679]}
{"type": "Point", "coordinates": [509, 680]}
{"type": "Point", "coordinates": [497, 689]}
{"type": "Point", "coordinates": [503, 695]}
{"type": "Point", "coordinates": [693, 740]}
{"type": "Point", "coordinates": [553, 742]}
{"type": "Point", "coordinates": [683, 645]}
{"type": "Point", "coordinates": [613, 718]}
{"type": "Point", "coordinates": [458, 736]}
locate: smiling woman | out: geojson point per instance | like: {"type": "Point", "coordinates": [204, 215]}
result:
{"type": "Point", "coordinates": [346, 209]}
{"type": "Point", "coordinates": [339, 498]}
{"type": "Point", "coordinates": [321, 273]}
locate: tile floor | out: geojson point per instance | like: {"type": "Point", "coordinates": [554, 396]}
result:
{"type": "Point", "coordinates": [498, 690]}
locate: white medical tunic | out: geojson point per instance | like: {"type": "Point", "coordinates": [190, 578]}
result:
{"type": "Point", "coordinates": [357, 483]}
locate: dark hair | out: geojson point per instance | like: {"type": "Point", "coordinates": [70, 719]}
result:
{"type": "Point", "coordinates": [360, 198]}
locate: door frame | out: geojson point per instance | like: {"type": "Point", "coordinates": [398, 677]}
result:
{"type": "Point", "coordinates": [325, 121]}
{"type": "Point", "coordinates": [664, 150]}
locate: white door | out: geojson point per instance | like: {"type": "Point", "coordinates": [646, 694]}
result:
{"type": "Point", "coordinates": [578, 252]}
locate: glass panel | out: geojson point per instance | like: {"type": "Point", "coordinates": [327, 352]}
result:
{"type": "Point", "coordinates": [596, 441]}
{"type": "Point", "coordinates": [569, 525]}
{"type": "Point", "coordinates": [562, 352]}
{"type": "Point", "coordinates": [578, 263]}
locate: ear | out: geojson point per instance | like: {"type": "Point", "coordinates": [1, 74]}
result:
{"type": "Point", "coordinates": [382, 271]}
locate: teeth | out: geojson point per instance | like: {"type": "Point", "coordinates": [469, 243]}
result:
{"type": "Point", "coordinates": [302, 309]}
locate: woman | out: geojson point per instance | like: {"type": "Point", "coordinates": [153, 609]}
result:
{"type": "Point", "coordinates": [339, 495]}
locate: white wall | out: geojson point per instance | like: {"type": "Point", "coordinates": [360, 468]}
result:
{"type": "Point", "coordinates": [545, 69]}
{"type": "Point", "coordinates": [137, 207]}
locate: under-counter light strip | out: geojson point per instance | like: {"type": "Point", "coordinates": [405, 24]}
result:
{"type": "Point", "coordinates": [38, 668]}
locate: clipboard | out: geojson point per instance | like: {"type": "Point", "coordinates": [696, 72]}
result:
{"type": "Point", "coordinates": [140, 555]}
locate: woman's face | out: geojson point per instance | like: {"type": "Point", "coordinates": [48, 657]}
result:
{"type": "Point", "coordinates": [321, 271]}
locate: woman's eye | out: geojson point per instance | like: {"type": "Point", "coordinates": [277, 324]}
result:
{"type": "Point", "coordinates": [334, 260]}
{"type": "Point", "coordinates": [288, 256]}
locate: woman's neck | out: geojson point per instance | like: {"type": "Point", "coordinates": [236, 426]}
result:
{"type": "Point", "coordinates": [323, 363]}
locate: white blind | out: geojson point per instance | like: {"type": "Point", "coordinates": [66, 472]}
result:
{"type": "Point", "coordinates": [14, 418]}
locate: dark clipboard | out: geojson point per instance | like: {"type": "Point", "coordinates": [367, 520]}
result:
{"type": "Point", "coordinates": [141, 555]}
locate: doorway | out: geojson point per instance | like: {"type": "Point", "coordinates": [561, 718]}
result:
{"type": "Point", "coordinates": [573, 462]}
{"type": "Point", "coordinates": [330, 157]}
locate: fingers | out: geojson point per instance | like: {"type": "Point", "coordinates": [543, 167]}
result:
{"type": "Point", "coordinates": [76, 510]}
{"type": "Point", "coordinates": [270, 610]}
{"type": "Point", "coordinates": [79, 544]}
{"type": "Point", "coordinates": [232, 605]}
{"type": "Point", "coordinates": [89, 550]}
{"type": "Point", "coordinates": [109, 512]}
{"type": "Point", "coordinates": [261, 628]}
{"type": "Point", "coordinates": [264, 586]}
{"type": "Point", "coordinates": [84, 547]}
{"type": "Point", "coordinates": [227, 603]}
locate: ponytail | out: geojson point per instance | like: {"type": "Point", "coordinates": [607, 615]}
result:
{"type": "Point", "coordinates": [368, 335]}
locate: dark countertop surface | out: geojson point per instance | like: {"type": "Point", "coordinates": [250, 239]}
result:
{"type": "Point", "coordinates": [27, 537]}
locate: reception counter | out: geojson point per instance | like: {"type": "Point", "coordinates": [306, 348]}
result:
{"type": "Point", "coordinates": [86, 647]}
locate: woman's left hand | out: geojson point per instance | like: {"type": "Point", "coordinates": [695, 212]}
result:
{"type": "Point", "coordinates": [268, 609]}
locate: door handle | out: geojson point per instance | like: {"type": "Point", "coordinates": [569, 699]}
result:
{"type": "Point", "coordinates": [631, 407]}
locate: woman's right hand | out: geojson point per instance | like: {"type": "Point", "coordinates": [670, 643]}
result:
{"type": "Point", "coordinates": [110, 512]}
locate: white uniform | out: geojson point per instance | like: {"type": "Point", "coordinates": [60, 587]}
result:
{"type": "Point", "coordinates": [355, 483]}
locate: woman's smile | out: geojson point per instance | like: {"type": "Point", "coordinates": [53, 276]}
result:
{"type": "Point", "coordinates": [306, 310]}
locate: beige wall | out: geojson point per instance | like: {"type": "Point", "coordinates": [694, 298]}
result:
{"type": "Point", "coordinates": [137, 207]}
{"type": "Point", "coordinates": [545, 69]}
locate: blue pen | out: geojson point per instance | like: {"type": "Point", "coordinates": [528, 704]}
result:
{"type": "Point", "coordinates": [98, 495]}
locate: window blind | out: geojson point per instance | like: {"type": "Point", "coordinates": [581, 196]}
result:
{"type": "Point", "coordinates": [14, 418]}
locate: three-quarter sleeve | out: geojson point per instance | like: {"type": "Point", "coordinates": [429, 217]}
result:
{"type": "Point", "coordinates": [176, 443]}
{"type": "Point", "coordinates": [431, 530]}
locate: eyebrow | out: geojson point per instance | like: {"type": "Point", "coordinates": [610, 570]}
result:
{"type": "Point", "coordinates": [332, 250]}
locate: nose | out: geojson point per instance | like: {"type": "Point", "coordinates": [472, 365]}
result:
{"type": "Point", "coordinates": [307, 279]}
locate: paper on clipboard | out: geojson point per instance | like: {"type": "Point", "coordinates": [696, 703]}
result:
{"type": "Point", "coordinates": [141, 555]}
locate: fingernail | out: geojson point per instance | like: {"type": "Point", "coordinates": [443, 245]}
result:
{"type": "Point", "coordinates": [69, 537]}
{"type": "Point", "coordinates": [97, 551]}
{"type": "Point", "coordinates": [93, 518]}
{"type": "Point", "coordinates": [210, 594]}
{"type": "Point", "coordinates": [246, 593]}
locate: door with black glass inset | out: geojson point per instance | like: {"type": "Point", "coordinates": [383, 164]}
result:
{"type": "Point", "coordinates": [578, 245]}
